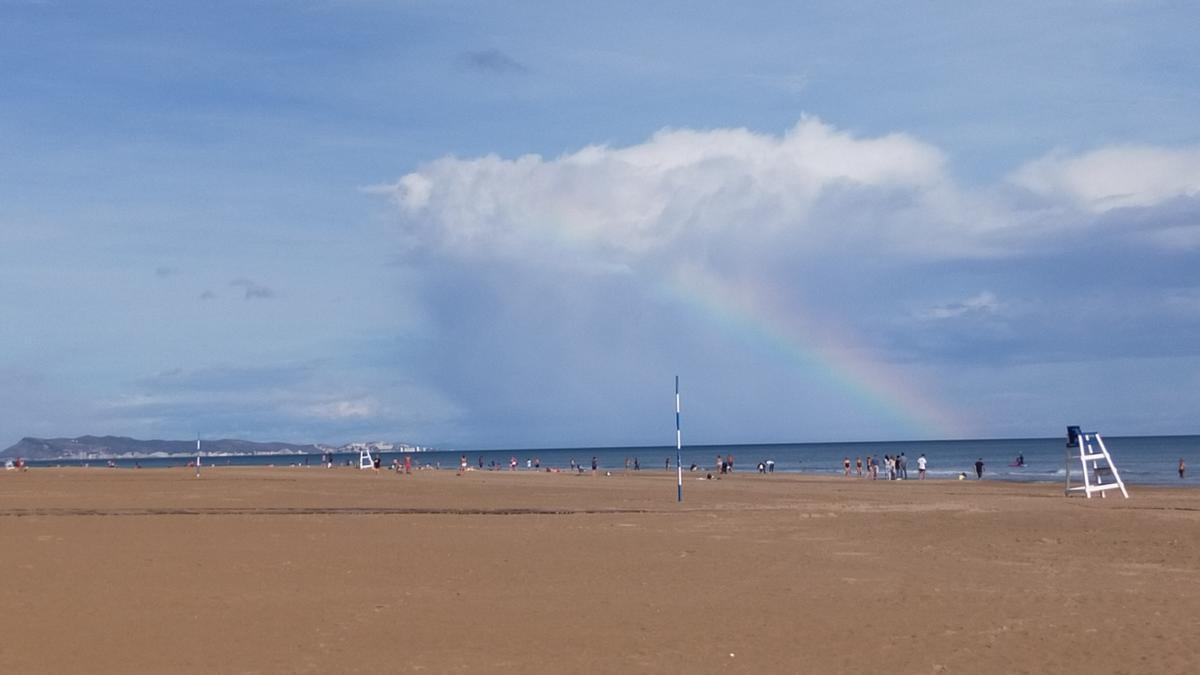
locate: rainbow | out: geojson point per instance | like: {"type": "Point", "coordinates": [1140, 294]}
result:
{"type": "Point", "coordinates": [758, 313]}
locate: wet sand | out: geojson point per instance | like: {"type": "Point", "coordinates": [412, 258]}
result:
{"type": "Point", "coordinates": [266, 570]}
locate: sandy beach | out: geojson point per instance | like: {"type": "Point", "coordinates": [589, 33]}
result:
{"type": "Point", "coordinates": [310, 570]}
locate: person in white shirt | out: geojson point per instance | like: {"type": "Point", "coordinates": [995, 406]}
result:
{"type": "Point", "coordinates": [921, 461]}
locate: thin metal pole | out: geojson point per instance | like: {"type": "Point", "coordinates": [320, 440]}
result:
{"type": "Point", "coordinates": [678, 444]}
{"type": "Point", "coordinates": [1067, 466]}
{"type": "Point", "coordinates": [197, 455]}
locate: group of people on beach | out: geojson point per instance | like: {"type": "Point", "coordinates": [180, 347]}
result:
{"type": "Point", "coordinates": [724, 464]}
{"type": "Point", "coordinates": [895, 467]}
{"type": "Point", "coordinates": [402, 468]}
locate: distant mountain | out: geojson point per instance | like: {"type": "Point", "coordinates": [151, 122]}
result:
{"type": "Point", "coordinates": [101, 447]}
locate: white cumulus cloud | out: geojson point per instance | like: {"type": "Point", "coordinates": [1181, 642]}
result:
{"type": "Point", "coordinates": [810, 187]}
{"type": "Point", "coordinates": [1115, 177]}
{"type": "Point", "coordinates": [813, 191]}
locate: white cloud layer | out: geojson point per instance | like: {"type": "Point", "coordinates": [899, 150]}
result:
{"type": "Point", "coordinates": [226, 400]}
{"type": "Point", "coordinates": [807, 192]}
{"type": "Point", "coordinates": [1115, 177]}
{"type": "Point", "coordinates": [679, 186]}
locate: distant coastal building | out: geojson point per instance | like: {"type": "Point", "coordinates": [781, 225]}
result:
{"type": "Point", "coordinates": [91, 448]}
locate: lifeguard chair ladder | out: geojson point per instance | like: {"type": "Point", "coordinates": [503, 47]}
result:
{"type": "Point", "coordinates": [1096, 462]}
{"type": "Point", "coordinates": [364, 459]}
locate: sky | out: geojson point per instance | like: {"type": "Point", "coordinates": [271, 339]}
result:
{"type": "Point", "coordinates": [488, 225]}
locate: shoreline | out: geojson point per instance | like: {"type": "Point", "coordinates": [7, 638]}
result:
{"type": "Point", "coordinates": [1189, 483]}
{"type": "Point", "coordinates": [1141, 460]}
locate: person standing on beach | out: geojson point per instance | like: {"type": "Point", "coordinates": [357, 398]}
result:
{"type": "Point", "coordinates": [921, 462]}
{"type": "Point", "coordinates": [668, 464]}
{"type": "Point", "coordinates": [846, 466]}
{"type": "Point", "coordinates": [1181, 468]}
{"type": "Point", "coordinates": [462, 465]}
{"type": "Point", "coordinates": [858, 466]}
{"type": "Point", "coordinates": [903, 467]}
{"type": "Point", "coordinates": [729, 463]}
{"type": "Point", "coordinates": [979, 468]}
{"type": "Point", "coordinates": [720, 467]}
{"type": "Point", "coordinates": [594, 465]}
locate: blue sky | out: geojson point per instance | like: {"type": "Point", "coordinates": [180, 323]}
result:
{"type": "Point", "coordinates": [511, 224]}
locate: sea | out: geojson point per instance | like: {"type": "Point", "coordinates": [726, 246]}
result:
{"type": "Point", "coordinates": [1140, 460]}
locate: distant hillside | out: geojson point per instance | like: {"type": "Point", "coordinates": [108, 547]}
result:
{"type": "Point", "coordinates": [101, 447]}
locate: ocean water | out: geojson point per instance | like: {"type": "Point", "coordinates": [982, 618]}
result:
{"type": "Point", "coordinates": [1141, 460]}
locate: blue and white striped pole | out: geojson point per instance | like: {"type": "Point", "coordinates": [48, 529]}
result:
{"type": "Point", "coordinates": [678, 443]}
{"type": "Point", "coordinates": [197, 455]}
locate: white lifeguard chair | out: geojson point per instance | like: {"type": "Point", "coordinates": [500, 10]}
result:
{"type": "Point", "coordinates": [1097, 465]}
{"type": "Point", "coordinates": [364, 459]}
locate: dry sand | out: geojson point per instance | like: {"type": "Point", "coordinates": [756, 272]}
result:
{"type": "Point", "coordinates": [265, 570]}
